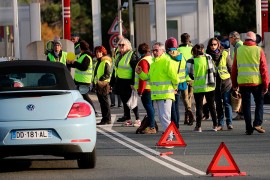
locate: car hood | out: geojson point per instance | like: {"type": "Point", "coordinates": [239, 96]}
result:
{"type": "Point", "coordinates": [36, 105]}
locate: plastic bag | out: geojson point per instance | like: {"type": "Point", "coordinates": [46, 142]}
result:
{"type": "Point", "coordinates": [133, 100]}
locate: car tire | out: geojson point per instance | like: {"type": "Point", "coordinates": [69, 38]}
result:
{"type": "Point", "coordinates": [87, 160]}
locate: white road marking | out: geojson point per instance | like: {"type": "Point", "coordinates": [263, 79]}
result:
{"type": "Point", "coordinates": [108, 128]}
{"type": "Point", "coordinates": [145, 154]}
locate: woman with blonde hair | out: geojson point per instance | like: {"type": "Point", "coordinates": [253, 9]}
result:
{"type": "Point", "coordinates": [123, 78]}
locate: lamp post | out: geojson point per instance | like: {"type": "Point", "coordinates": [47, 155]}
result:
{"type": "Point", "coordinates": [120, 17]}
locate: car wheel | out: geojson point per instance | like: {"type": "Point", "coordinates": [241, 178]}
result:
{"type": "Point", "coordinates": [87, 160]}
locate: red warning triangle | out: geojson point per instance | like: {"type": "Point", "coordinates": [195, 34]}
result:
{"type": "Point", "coordinates": [179, 140]}
{"type": "Point", "coordinates": [222, 152]}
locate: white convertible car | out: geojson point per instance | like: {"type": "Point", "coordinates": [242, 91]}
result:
{"type": "Point", "coordinates": [42, 112]}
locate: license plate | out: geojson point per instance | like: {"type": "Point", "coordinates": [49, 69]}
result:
{"type": "Point", "coordinates": [32, 134]}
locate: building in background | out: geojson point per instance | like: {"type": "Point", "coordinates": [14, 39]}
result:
{"type": "Point", "coordinates": [181, 16]}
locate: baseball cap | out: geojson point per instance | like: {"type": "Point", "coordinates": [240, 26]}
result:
{"type": "Point", "coordinates": [74, 35]}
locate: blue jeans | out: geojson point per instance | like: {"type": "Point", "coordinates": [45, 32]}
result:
{"type": "Point", "coordinates": [246, 104]}
{"type": "Point", "coordinates": [149, 107]}
{"type": "Point", "coordinates": [226, 104]}
{"type": "Point", "coordinates": [175, 114]}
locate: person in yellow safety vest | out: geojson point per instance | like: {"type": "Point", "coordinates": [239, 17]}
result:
{"type": "Point", "coordinates": [186, 94]}
{"type": "Point", "coordinates": [76, 40]}
{"type": "Point", "coordinates": [235, 41]}
{"type": "Point", "coordinates": [163, 83]}
{"type": "Point", "coordinates": [250, 75]}
{"type": "Point", "coordinates": [83, 70]}
{"type": "Point", "coordinates": [180, 68]}
{"type": "Point", "coordinates": [223, 65]}
{"type": "Point", "coordinates": [143, 87]}
{"type": "Point", "coordinates": [57, 55]}
{"type": "Point", "coordinates": [201, 69]}
{"type": "Point", "coordinates": [123, 79]}
{"type": "Point", "coordinates": [102, 75]}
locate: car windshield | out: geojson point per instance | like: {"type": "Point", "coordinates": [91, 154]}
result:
{"type": "Point", "coordinates": [27, 80]}
{"type": "Point", "coordinates": [34, 75]}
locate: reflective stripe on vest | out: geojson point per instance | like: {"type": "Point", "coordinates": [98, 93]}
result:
{"type": "Point", "coordinates": [124, 69]}
{"type": "Point", "coordinates": [163, 92]}
{"type": "Point", "coordinates": [222, 67]}
{"type": "Point", "coordinates": [182, 71]}
{"type": "Point", "coordinates": [84, 76]}
{"type": "Point", "coordinates": [200, 72]}
{"type": "Point", "coordinates": [62, 60]}
{"type": "Point", "coordinates": [186, 53]}
{"type": "Point", "coordinates": [248, 65]}
{"type": "Point", "coordinates": [161, 85]}
{"type": "Point", "coordinates": [136, 83]}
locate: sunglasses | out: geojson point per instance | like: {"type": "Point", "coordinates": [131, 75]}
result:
{"type": "Point", "coordinates": [213, 44]}
{"type": "Point", "coordinates": [155, 50]}
{"type": "Point", "coordinates": [121, 45]}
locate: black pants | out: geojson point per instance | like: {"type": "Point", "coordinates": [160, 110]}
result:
{"type": "Point", "coordinates": [125, 97]}
{"type": "Point", "coordinates": [105, 107]}
{"type": "Point", "coordinates": [88, 99]}
{"type": "Point", "coordinates": [210, 99]}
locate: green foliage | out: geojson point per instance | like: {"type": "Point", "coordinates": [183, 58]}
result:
{"type": "Point", "coordinates": [229, 15]}
{"type": "Point", "coordinates": [234, 15]}
{"type": "Point", "coordinates": [24, 1]}
{"type": "Point", "coordinates": [52, 14]}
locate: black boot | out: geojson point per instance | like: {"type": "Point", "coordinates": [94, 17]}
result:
{"type": "Point", "coordinates": [191, 118]}
{"type": "Point", "coordinates": [186, 118]}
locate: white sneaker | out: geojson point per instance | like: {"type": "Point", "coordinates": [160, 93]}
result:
{"type": "Point", "coordinates": [137, 123]}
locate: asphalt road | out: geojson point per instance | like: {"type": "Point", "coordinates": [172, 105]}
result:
{"type": "Point", "coordinates": [122, 154]}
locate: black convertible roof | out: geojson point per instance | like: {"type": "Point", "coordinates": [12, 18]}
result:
{"type": "Point", "coordinates": [40, 66]}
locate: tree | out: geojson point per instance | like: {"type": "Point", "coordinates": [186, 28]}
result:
{"type": "Point", "coordinates": [234, 15]}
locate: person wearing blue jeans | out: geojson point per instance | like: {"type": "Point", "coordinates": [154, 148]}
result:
{"type": "Point", "coordinates": [256, 91]}
{"type": "Point", "coordinates": [223, 88]}
{"type": "Point", "coordinates": [175, 114]}
{"type": "Point", "coordinates": [149, 107]}
{"type": "Point", "coordinates": [250, 75]}
{"type": "Point", "coordinates": [143, 87]}
{"type": "Point", "coordinates": [226, 98]}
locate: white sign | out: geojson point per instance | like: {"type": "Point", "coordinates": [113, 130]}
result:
{"type": "Point", "coordinates": [115, 27]}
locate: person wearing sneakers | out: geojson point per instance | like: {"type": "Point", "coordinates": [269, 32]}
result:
{"type": "Point", "coordinates": [186, 94]}
{"type": "Point", "coordinates": [164, 81]}
{"type": "Point", "coordinates": [201, 70]}
{"type": "Point", "coordinates": [235, 41]}
{"type": "Point", "coordinates": [223, 65]}
{"type": "Point", "coordinates": [143, 87]}
{"type": "Point", "coordinates": [124, 74]}
{"type": "Point", "coordinates": [250, 74]}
